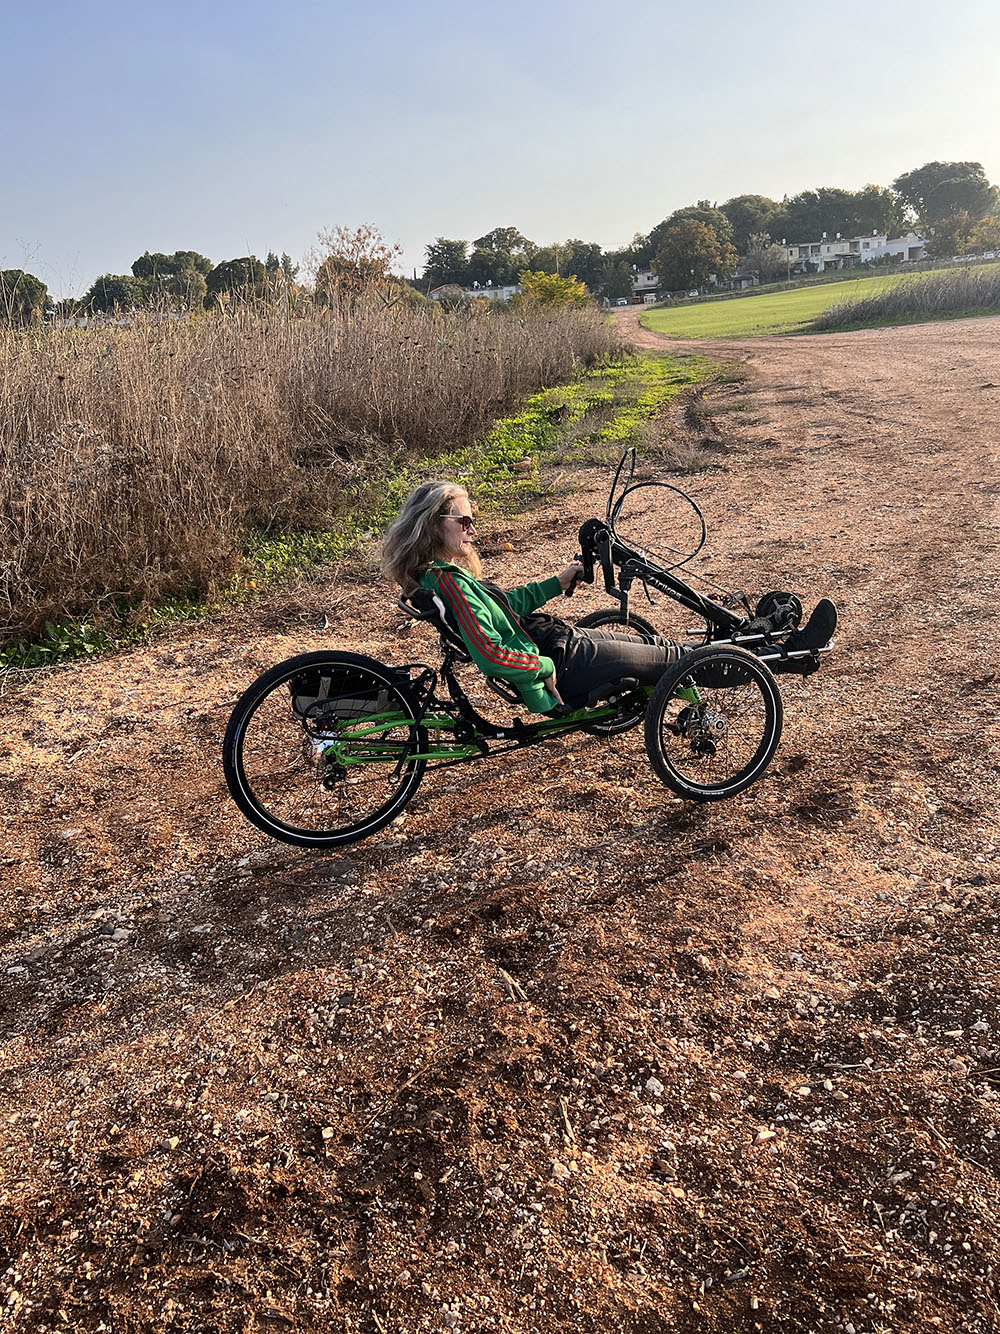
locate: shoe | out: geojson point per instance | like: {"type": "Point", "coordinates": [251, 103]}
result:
{"type": "Point", "coordinates": [817, 631]}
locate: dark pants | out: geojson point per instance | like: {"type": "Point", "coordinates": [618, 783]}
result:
{"type": "Point", "coordinates": [588, 660]}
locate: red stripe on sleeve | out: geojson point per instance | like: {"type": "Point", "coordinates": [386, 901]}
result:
{"type": "Point", "coordinates": [495, 653]}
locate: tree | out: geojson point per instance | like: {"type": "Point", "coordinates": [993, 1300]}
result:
{"type": "Point", "coordinates": [939, 190]}
{"type": "Point", "coordinates": [951, 235]}
{"type": "Point", "coordinates": [644, 248]}
{"type": "Point", "coordinates": [349, 263]}
{"type": "Point", "coordinates": [244, 277]}
{"type": "Point", "coordinates": [810, 213]}
{"type": "Point", "coordinates": [585, 259]}
{"type": "Point", "coordinates": [114, 291]}
{"type": "Point", "coordinates": [767, 260]}
{"type": "Point", "coordinates": [878, 209]}
{"type": "Point", "coordinates": [160, 266]}
{"type": "Point", "coordinates": [551, 289]}
{"type": "Point", "coordinates": [986, 235]}
{"type": "Point", "coordinates": [616, 279]}
{"type": "Point", "coordinates": [691, 253]}
{"type": "Point", "coordinates": [495, 268]}
{"type": "Point", "coordinates": [179, 278]}
{"type": "Point", "coordinates": [446, 262]}
{"type": "Point", "coordinates": [188, 288]}
{"type": "Point", "coordinates": [504, 240]}
{"type": "Point", "coordinates": [499, 256]}
{"type": "Point", "coordinates": [749, 215]}
{"type": "Point", "coordinates": [151, 266]}
{"type": "Point", "coordinates": [23, 299]}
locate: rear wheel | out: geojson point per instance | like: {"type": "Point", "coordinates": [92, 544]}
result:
{"type": "Point", "coordinates": [630, 715]}
{"type": "Point", "coordinates": [713, 723]}
{"type": "Point", "coordinates": [319, 750]}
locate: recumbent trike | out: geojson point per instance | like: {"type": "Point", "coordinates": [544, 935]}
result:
{"type": "Point", "coordinates": [328, 747]}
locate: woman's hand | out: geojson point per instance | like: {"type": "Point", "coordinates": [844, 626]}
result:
{"type": "Point", "coordinates": [550, 685]}
{"type": "Point", "coordinates": [572, 572]}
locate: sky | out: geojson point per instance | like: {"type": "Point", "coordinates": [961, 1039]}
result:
{"type": "Point", "coordinates": [237, 128]}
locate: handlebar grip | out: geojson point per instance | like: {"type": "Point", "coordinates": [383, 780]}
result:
{"type": "Point", "coordinates": [568, 593]}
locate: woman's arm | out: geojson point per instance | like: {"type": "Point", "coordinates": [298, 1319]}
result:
{"type": "Point", "coordinates": [531, 596]}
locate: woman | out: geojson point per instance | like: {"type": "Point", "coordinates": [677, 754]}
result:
{"type": "Point", "coordinates": [432, 545]}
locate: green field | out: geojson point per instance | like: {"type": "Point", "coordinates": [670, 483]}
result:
{"type": "Point", "coordinates": [751, 316]}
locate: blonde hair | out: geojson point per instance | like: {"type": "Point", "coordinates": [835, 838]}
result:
{"type": "Point", "coordinates": [412, 540]}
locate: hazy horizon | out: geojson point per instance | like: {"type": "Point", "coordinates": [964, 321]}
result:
{"type": "Point", "coordinates": [230, 132]}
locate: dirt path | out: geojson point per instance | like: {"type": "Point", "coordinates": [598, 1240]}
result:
{"type": "Point", "coordinates": [745, 1076]}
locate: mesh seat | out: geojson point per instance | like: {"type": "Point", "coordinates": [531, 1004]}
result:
{"type": "Point", "coordinates": [423, 605]}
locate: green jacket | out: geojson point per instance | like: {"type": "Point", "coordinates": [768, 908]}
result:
{"type": "Point", "coordinates": [497, 644]}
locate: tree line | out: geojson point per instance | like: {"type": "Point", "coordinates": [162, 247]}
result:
{"type": "Point", "coordinates": [952, 203]}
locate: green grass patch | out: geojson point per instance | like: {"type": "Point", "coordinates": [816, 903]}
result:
{"type": "Point", "coordinates": [607, 406]}
{"type": "Point", "coordinates": [604, 409]}
{"type": "Point", "coordinates": [769, 313]}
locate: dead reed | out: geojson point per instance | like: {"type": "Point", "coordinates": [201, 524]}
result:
{"type": "Point", "coordinates": [921, 297]}
{"type": "Point", "coordinates": [134, 460]}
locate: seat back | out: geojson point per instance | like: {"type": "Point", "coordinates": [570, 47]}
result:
{"type": "Point", "coordinates": [423, 605]}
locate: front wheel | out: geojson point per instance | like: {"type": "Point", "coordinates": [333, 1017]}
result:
{"type": "Point", "coordinates": [630, 713]}
{"type": "Point", "coordinates": [321, 750]}
{"type": "Point", "coordinates": [713, 723]}
{"type": "Point", "coordinates": [616, 621]}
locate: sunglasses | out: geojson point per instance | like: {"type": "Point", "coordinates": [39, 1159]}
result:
{"type": "Point", "coordinates": [466, 521]}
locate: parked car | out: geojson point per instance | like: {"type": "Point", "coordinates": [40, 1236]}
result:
{"type": "Point", "coordinates": [636, 301]}
{"type": "Point", "coordinates": [622, 301]}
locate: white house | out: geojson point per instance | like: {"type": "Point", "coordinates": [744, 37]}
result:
{"type": "Point", "coordinates": [909, 248]}
{"type": "Point", "coordinates": [846, 252]}
{"type": "Point", "coordinates": [493, 293]}
{"type": "Point", "coordinates": [452, 291]}
{"type": "Point", "coordinates": [644, 282]}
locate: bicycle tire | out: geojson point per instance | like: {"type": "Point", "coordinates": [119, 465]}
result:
{"type": "Point", "coordinates": [607, 620]}
{"type": "Point", "coordinates": [718, 738]}
{"type": "Point", "coordinates": [315, 753]}
{"type": "Point", "coordinates": [612, 620]}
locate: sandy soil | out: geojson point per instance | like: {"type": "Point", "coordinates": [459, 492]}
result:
{"type": "Point", "coordinates": [558, 1051]}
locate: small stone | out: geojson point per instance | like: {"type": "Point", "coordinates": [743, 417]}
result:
{"type": "Point", "coordinates": [763, 1135]}
{"type": "Point", "coordinates": [120, 933]}
{"type": "Point", "coordinates": [653, 1086]}
{"type": "Point", "coordinates": [772, 993]}
{"type": "Point", "coordinates": [803, 1091]}
{"type": "Point", "coordinates": [327, 1132]}
{"type": "Point", "coordinates": [171, 1143]}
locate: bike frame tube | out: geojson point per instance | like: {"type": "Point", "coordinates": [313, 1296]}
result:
{"type": "Point", "coordinates": [367, 744]}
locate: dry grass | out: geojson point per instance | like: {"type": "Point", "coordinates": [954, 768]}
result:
{"type": "Point", "coordinates": [134, 460]}
{"type": "Point", "coordinates": [921, 297]}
